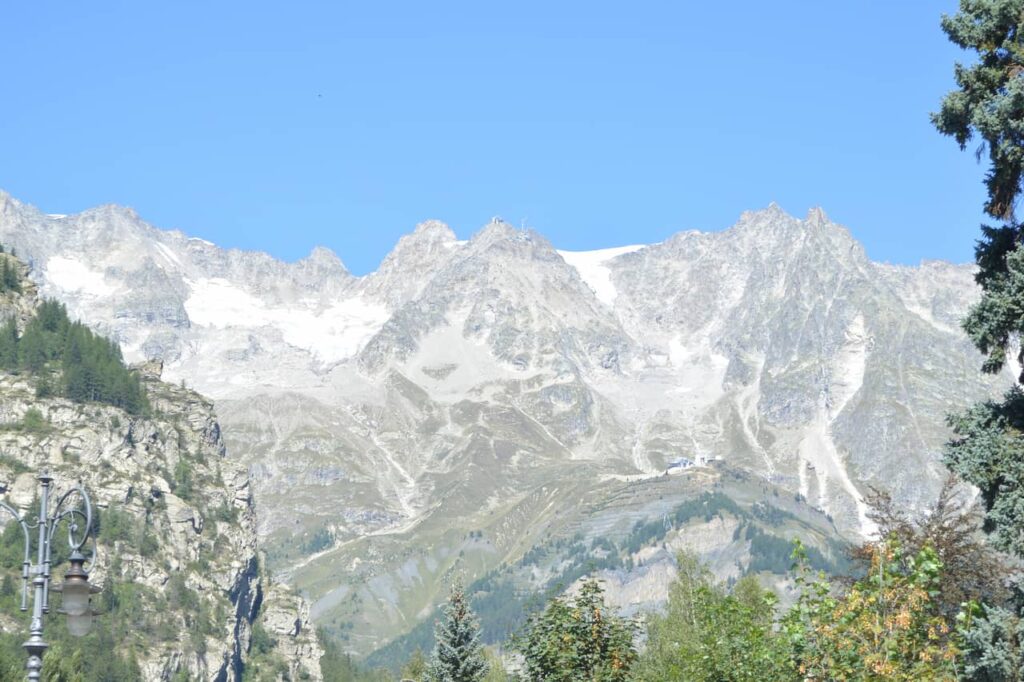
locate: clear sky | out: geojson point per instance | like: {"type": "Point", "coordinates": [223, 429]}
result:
{"type": "Point", "coordinates": [280, 126]}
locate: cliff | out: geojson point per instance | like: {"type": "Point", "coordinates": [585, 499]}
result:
{"type": "Point", "coordinates": [177, 552]}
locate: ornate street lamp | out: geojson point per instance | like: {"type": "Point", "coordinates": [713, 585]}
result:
{"type": "Point", "coordinates": [76, 591]}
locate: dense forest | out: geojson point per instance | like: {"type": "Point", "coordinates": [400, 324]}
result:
{"type": "Point", "coordinates": [66, 358]}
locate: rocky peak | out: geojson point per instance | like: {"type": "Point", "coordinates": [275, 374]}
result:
{"type": "Point", "coordinates": [501, 241]}
{"type": "Point", "coordinates": [434, 230]}
{"type": "Point", "coordinates": [323, 263]}
{"type": "Point", "coordinates": [817, 218]}
{"type": "Point", "coordinates": [410, 266]}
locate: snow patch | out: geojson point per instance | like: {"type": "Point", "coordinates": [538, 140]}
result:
{"type": "Point", "coordinates": [818, 450]}
{"type": "Point", "coordinates": [74, 277]}
{"type": "Point", "coordinates": [332, 333]}
{"type": "Point", "coordinates": [848, 375]}
{"type": "Point", "coordinates": [166, 252]}
{"type": "Point", "coordinates": [593, 269]}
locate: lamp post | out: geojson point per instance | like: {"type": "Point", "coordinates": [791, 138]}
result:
{"type": "Point", "coordinates": [76, 590]}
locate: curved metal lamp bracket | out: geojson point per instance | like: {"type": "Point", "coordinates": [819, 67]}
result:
{"type": "Point", "coordinates": [60, 514]}
{"type": "Point", "coordinates": [26, 563]}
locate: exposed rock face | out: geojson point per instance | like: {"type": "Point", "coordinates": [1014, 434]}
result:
{"type": "Point", "coordinates": [18, 304]}
{"type": "Point", "coordinates": [286, 617]}
{"type": "Point", "coordinates": [498, 383]}
{"type": "Point", "coordinates": [192, 538]}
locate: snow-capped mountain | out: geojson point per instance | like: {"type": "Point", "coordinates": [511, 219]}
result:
{"type": "Point", "coordinates": [485, 383]}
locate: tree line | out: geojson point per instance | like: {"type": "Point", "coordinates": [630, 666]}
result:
{"type": "Point", "coordinates": [909, 610]}
{"type": "Point", "coordinates": [66, 358]}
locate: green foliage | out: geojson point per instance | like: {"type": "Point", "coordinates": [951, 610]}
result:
{"type": "Point", "coordinates": [495, 668]}
{"type": "Point", "coordinates": [989, 101]}
{"type": "Point", "coordinates": [9, 346]}
{"type": "Point", "coordinates": [972, 569]}
{"type": "Point", "coordinates": [774, 554]}
{"type": "Point", "coordinates": [320, 540]}
{"type": "Point", "coordinates": [458, 653]}
{"type": "Point", "coordinates": [263, 665]}
{"type": "Point", "coordinates": [12, 663]}
{"type": "Point", "coordinates": [183, 486]}
{"type": "Point", "coordinates": [578, 640]}
{"type": "Point", "coordinates": [885, 627]}
{"type": "Point", "coordinates": [416, 667]}
{"type": "Point", "coordinates": [709, 635]}
{"type": "Point", "coordinates": [9, 280]}
{"type": "Point", "coordinates": [33, 421]}
{"type": "Point", "coordinates": [117, 525]}
{"type": "Point", "coordinates": [997, 317]}
{"type": "Point", "coordinates": [91, 366]}
{"type": "Point", "coordinates": [338, 666]}
{"type": "Point", "coordinates": [988, 451]}
{"type": "Point", "coordinates": [993, 643]}
{"type": "Point", "coordinates": [503, 605]}
{"type": "Point", "coordinates": [261, 642]}
{"type": "Point", "coordinates": [707, 506]}
{"type": "Point", "coordinates": [59, 667]}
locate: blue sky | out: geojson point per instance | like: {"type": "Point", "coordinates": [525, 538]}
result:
{"type": "Point", "coordinates": [280, 126]}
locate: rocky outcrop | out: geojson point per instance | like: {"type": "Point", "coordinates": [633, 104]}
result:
{"type": "Point", "coordinates": [286, 618]}
{"type": "Point", "coordinates": [177, 523]}
{"type": "Point", "coordinates": [20, 303]}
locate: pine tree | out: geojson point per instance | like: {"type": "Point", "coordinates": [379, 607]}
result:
{"type": "Point", "coordinates": [458, 653]}
{"type": "Point", "coordinates": [988, 448]}
{"type": "Point", "coordinates": [9, 346]}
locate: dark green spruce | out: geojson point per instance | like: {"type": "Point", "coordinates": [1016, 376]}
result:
{"type": "Point", "coordinates": [458, 652]}
{"type": "Point", "coordinates": [987, 109]}
{"type": "Point", "coordinates": [66, 358]}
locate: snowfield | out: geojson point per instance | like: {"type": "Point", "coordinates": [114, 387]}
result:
{"type": "Point", "coordinates": [331, 333]}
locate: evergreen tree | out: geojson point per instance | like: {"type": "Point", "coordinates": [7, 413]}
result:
{"type": "Point", "coordinates": [8, 276]}
{"type": "Point", "coordinates": [9, 346]}
{"type": "Point", "coordinates": [988, 448]}
{"type": "Point", "coordinates": [59, 667]}
{"type": "Point", "coordinates": [458, 654]}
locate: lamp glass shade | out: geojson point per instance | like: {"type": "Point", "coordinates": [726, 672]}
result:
{"type": "Point", "coordinates": [79, 624]}
{"type": "Point", "coordinates": [75, 600]}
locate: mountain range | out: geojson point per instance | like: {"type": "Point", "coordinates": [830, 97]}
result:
{"type": "Point", "coordinates": [471, 402]}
